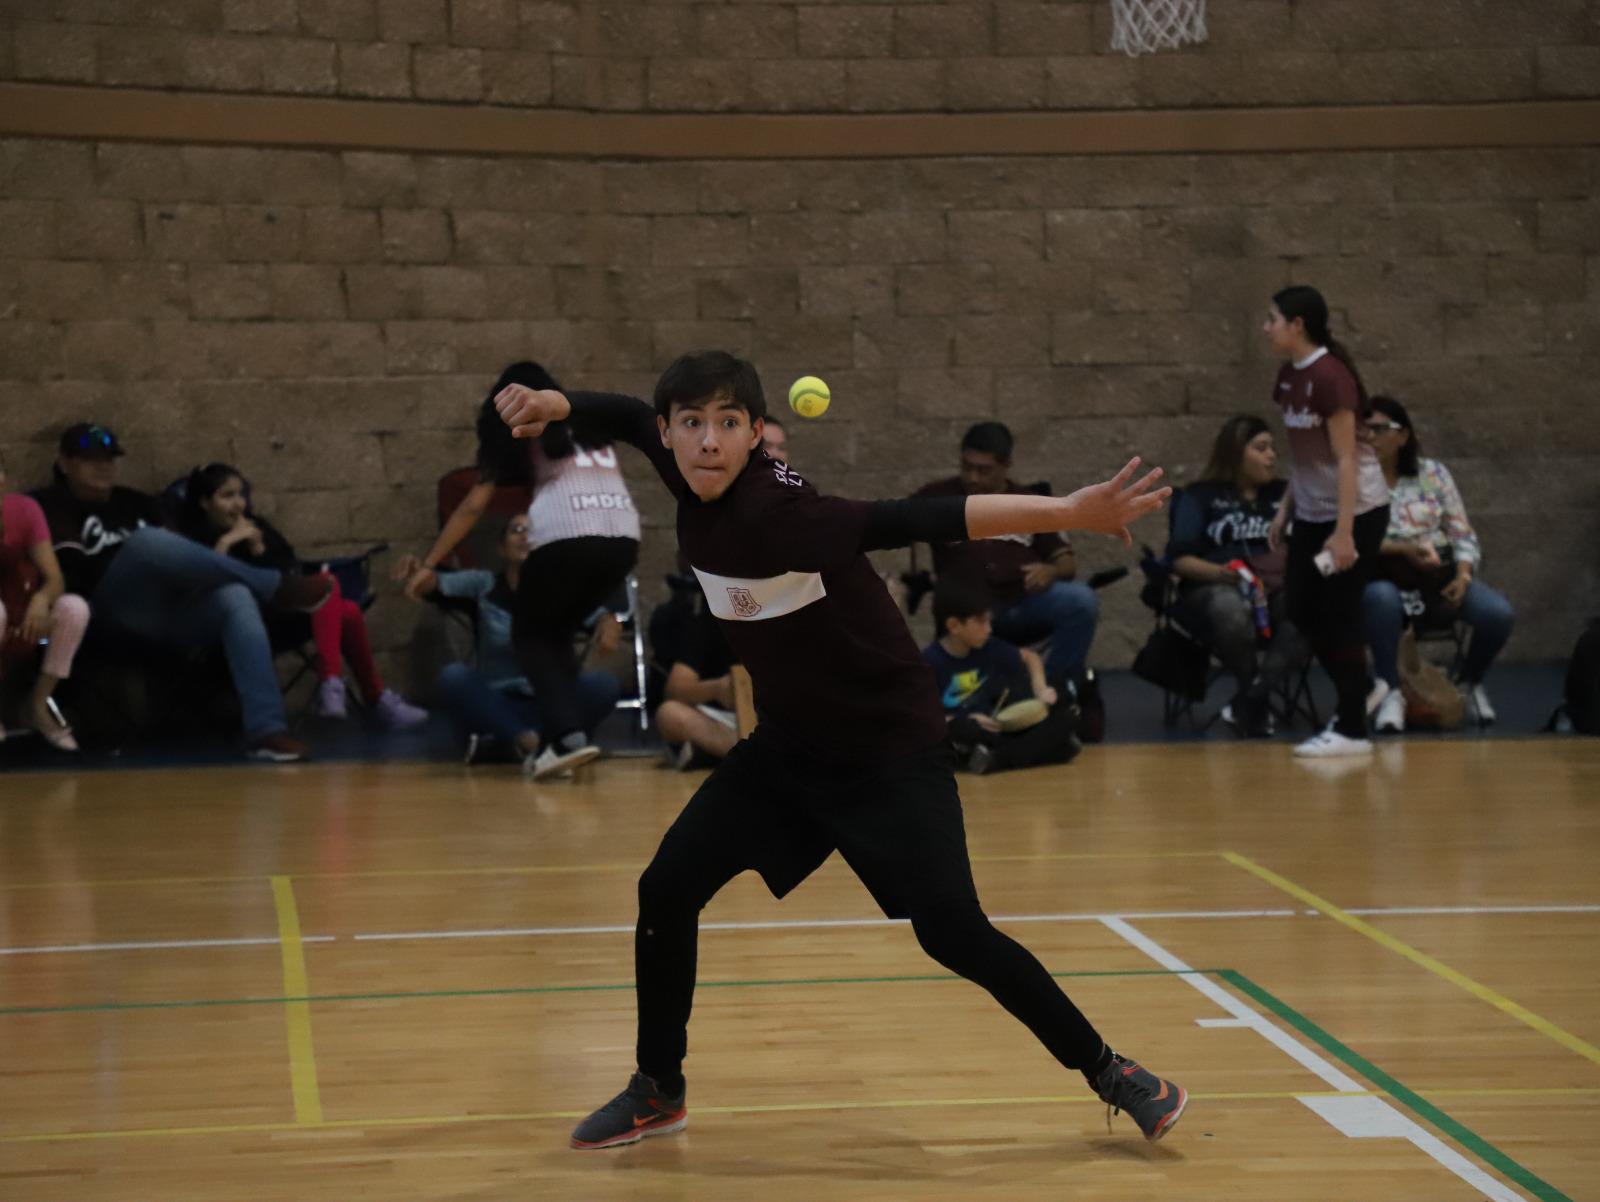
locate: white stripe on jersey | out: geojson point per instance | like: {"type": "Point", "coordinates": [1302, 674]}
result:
{"type": "Point", "coordinates": [736, 599]}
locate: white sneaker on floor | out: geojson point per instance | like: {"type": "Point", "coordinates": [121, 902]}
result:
{"type": "Point", "coordinates": [1330, 744]}
{"type": "Point", "coordinates": [1381, 690]}
{"type": "Point", "coordinates": [329, 701]}
{"type": "Point", "coordinates": [396, 713]}
{"type": "Point", "coordinates": [1478, 706]}
{"type": "Point", "coordinates": [1391, 717]}
{"type": "Point", "coordinates": [552, 761]}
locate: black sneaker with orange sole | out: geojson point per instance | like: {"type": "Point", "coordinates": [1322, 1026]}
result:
{"type": "Point", "coordinates": [638, 1111]}
{"type": "Point", "coordinates": [1151, 1101]}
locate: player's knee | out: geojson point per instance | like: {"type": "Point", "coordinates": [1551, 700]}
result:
{"type": "Point", "coordinates": [953, 936]}
{"type": "Point", "coordinates": [663, 887]}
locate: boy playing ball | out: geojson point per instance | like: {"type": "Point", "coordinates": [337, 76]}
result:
{"type": "Point", "coordinates": [849, 754]}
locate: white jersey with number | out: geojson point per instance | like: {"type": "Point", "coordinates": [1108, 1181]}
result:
{"type": "Point", "coordinates": [580, 496]}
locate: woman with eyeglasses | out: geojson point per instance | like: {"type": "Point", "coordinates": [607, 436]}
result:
{"type": "Point", "coordinates": [35, 607]}
{"type": "Point", "coordinates": [1427, 571]}
{"type": "Point", "coordinates": [217, 513]}
{"type": "Point", "coordinates": [490, 701]}
{"type": "Point", "coordinates": [1339, 502]}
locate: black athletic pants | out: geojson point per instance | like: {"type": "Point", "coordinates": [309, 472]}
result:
{"type": "Point", "coordinates": [561, 584]}
{"type": "Point", "coordinates": [899, 828]}
{"type": "Point", "coordinates": [1327, 609]}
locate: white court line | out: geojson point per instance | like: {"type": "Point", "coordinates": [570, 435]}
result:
{"type": "Point", "coordinates": [1369, 1117]}
{"type": "Point", "coordinates": [807, 924]}
{"type": "Point", "coordinates": [1475, 910]}
{"type": "Point", "coordinates": [822, 923]}
{"type": "Point", "coordinates": [158, 945]}
{"type": "Point", "coordinates": [797, 924]}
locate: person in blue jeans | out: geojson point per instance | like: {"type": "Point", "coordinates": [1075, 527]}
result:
{"type": "Point", "coordinates": [148, 582]}
{"type": "Point", "coordinates": [1428, 569]}
{"type": "Point", "coordinates": [1029, 578]}
{"type": "Point", "coordinates": [490, 702]}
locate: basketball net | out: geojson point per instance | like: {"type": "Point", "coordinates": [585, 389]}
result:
{"type": "Point", "coordinates": [1145, 26]}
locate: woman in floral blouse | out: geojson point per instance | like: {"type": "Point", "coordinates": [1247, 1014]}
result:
{"type": "Point", "coordinates": [1428, 569]}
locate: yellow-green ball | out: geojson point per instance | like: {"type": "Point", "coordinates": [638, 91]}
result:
{"type": "Point", "coordinates": [809, 396]}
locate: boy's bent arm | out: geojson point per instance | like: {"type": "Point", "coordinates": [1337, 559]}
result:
{"type": "Point", "coordinates": [605, 416]}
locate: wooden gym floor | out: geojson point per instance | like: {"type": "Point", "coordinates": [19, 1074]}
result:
{"type": "Point", "coordinates": [407, 981]}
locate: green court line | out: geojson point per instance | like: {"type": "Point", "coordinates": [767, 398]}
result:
{"type": "Point", "coordinates": [104, 1007]}
{"type": "Point", "coordinates": [1388, 1085]}
{"type": "Point", "coordinates": [1409, 1098]}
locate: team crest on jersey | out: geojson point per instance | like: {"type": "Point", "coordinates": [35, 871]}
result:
{"type": "Point", "coordinates": [744, 602]}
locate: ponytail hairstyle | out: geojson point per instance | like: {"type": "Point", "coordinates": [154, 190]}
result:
{"type": "Point", "coordinates": [1306, 303]}
{"type": "Point", "coordinates": [508, 460]}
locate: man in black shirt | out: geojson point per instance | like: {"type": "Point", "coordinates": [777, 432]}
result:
{"type": "Point", "coordinates": [144, 580]}
{"type": "Point", "coordinates": [848, 754]}
{"type": "Point", "coordinates": [1029, 576]}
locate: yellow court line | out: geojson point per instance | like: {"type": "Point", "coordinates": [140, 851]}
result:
{"type": "Point", "coordinates": [297, 1015]}
{"type": "Point", "coordinates": [533, 870]}
{"type": "Point", "coordinates": [1498, 1000]}
{"type": "Point", "coordinates": [441, 1120]}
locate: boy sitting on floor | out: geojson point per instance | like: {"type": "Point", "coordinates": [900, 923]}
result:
{"type": "Point", "coordinates": [981, 678]}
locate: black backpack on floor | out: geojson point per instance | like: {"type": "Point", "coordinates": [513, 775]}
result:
{"type": "Point", "coordinates": [1582, 705]}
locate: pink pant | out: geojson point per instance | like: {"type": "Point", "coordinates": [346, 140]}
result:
{"type": "Point", "coordinates": [69, 618]}
{"type": "Point", "coordinates": [341, 626]}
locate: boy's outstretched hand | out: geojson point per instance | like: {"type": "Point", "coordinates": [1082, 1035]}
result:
{"type": "Point", "coordinates": [528, 411]}
{"type": "Point", "coordinates": [1114, 505]}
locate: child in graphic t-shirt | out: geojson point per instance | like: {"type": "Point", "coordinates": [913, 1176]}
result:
{"type": "Point", "coordinates": [980, 677]}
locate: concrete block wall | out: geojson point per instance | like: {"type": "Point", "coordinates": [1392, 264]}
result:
{"type": "Point", "coordinates": [814, 56]}
{"type": "Point", "coordinates": [329, 320]}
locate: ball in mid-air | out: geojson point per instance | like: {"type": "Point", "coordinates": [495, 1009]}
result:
{"type": "Point", "coordinates": [809, 396]}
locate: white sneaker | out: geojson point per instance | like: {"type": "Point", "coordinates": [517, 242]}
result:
{"type": "Point", "coordinates": [1381, 689]}
{"type": "Point", "coordinates": [329, 701]}
{"type": "Point", "coordinates": [1478, 706]}
{"type": "Point", "coordinates": [552, 762]}
{"type": "Point", "coordinates": [396, 713]}
{"type": "Point", "coordinates": [1331, 743]}
{"type": "Point", "coordinates": [1391, 713]}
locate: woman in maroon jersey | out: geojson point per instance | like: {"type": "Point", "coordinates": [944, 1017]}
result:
{"type": "Point", "coordinates": [1340, 505]}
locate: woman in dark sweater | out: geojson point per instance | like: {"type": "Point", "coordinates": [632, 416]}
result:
{"type": "Point", "coordinates": [217, 512]}
{"type": "Point", "coordinates": [1218, 523]}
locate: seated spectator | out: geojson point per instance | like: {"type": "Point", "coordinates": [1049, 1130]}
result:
{"type": "Point", "coordinates": [490, 701]}
{"type": "Point", "coordinates": [980, 677]}
{"type": "Point", "coordinates": [1029, 578]}
{"type": "Point", "coordinates": [146, 582]}
{"type": "Point", "coordinates": [775, 439]}
{"type": "Point", "coordinates": [1427, 569]}
{"type": "Point", "coordinates": [35, 607]}
{"type": "Point", "coordinates": [217, 513]}
{"type": "Point", "coordinates": [1220, 524]}
{"type": "Point", "coordinates": [697, 718]}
